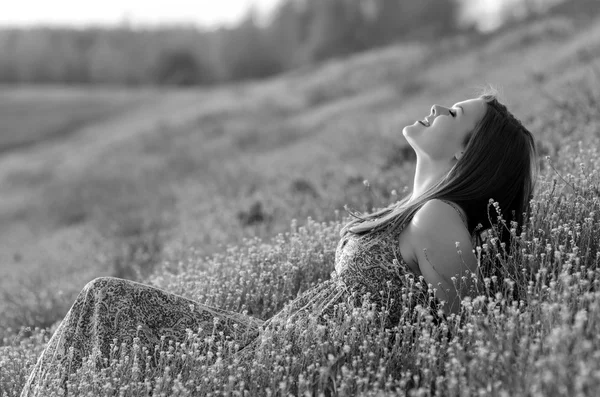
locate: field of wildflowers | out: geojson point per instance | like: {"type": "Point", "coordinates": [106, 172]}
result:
{"type": "Point", "coordinates": [545, 343]}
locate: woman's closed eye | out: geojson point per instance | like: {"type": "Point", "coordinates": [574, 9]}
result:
{"type": "Point", "coordinates": [452, 112]}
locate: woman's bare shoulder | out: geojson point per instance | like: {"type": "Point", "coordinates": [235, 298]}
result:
{"type": "Point", "coordinates": [435, 224]}
{"type": "Point", "coordinates": [439, 215]}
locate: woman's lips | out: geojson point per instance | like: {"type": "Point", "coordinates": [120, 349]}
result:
{"type": "Point", "coordinates": [423, 123]}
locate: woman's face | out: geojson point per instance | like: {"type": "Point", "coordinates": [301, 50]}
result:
{"type": "Point", "coordinates": [440, 135]}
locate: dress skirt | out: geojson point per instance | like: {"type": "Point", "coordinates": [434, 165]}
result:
{"type": "Point", "coordinates": [109, 312]}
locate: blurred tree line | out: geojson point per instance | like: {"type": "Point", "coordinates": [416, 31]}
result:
{"type": "Point", "coordinates": [298, 32]}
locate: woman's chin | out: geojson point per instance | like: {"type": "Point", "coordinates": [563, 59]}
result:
{"type": "Point", "coordinates": [413, 127]}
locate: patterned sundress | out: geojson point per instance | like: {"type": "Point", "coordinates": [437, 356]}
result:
{"type": "Point", "coordinates": [109, 309]}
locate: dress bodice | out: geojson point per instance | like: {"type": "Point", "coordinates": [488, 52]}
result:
{"type": "Point", "coordinates": [365, 261]}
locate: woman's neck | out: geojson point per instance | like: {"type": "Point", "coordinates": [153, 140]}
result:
{"type": "Point", "coordinates": [427, 173]}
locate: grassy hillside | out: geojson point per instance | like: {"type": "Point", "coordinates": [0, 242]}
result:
{"type": "Point", "coordinates": [149, 184]}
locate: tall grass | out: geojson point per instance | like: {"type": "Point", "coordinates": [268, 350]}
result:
{"type": "Point", "coordinates": [543, 344]}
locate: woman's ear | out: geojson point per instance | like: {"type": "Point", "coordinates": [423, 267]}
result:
{"type": "Point", "coordinates": [458, 155]}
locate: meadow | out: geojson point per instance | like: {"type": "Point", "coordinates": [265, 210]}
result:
{"type": "Point", "coordinates": [234, 197]}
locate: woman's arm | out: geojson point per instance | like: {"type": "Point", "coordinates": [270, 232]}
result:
{"type": "Point", "coordinates": [442, 246]}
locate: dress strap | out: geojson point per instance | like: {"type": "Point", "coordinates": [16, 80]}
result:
{"type": "Point", "coordinates": [456, 207]}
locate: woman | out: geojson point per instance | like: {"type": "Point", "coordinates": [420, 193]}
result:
{"type": "Point", "coordinates": [467, 154]}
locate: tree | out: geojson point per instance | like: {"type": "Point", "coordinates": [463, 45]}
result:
{"type": "Point", "coordinates": [246, 52]}
{"type": "Point", "coordinates": [338, 28]}
{"type": "Point", "coordinates": [180, 67]}
{"type": "Point", "coordinates": [286, 33]}
{"type": "Point", "coordinates": [404, 19]}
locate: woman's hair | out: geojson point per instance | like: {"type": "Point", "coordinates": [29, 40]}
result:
{"type": "Point", "coordinates": [499, 163]}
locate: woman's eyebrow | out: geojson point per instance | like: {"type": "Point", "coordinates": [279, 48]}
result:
{"type": "Point", "coordinates": [461, 108]}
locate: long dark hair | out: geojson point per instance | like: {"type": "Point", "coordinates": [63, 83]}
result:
{"type": "Point", "coordinates": [499, 166]}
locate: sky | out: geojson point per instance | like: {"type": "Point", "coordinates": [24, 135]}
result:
{"type": "Point", "coordinates": [109, 12]}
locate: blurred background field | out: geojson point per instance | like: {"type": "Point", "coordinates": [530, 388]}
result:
{"type": "Point", "coordinates": [125, 149]}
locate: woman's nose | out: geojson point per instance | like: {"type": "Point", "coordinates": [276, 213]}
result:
{"type": "Point", "coordinates": [436, 110]}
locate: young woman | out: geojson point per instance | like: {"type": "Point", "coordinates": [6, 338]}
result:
{"type": "Point", "coordinates": [467, 154]}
